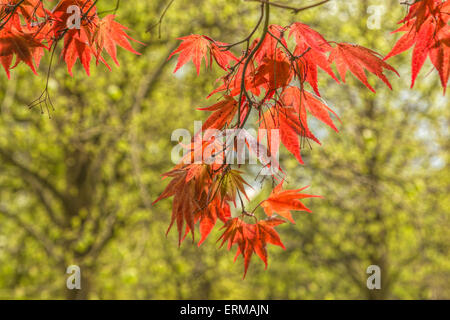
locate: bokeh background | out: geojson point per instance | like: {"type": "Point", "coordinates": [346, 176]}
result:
{"type": "Point", "coordinates": [76, 187]}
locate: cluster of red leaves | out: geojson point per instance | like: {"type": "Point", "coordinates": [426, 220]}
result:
{"type": "Point", "coordinates": [43, 29]}
{"type": "Point", "coordinates": [427, 28]}
{"type": "Point", "coordinates": [270, 79]}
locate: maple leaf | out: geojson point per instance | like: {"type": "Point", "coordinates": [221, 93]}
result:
{"type": "Point", "coordinates": [183, 206]}
{"type": "Point", "coordinates": [305, 35]}
{"type": "Point", "coordinates": [230, 183]}
{"type": "Point", "coordinates": [427, 29]}
{"type": "Point", "coordinates": [421, 49]}
{"type": "Point", "coordinates": [439, 54]}
{"type": "Point", "coordinates": [195, 47]}
{"type": "Point", "coordinates": [232, 84]}
{"type": "Point", "coordinates": [290, 118]}
{"type": "Point", "coordinates": [283, 201]}
{"type": "Point", "coordinates": [422, 10]}
{"type": "Point", "coordinates": [405, 42]}
{"type": "Point", "coordinates": [287, 122]}
{"type": "Point", "coordinates": [193, 202]}
{"type": "Point", "coordinates": [251, 238]}
{"type": "Point", "coordinates": [271, 44]}
{"type": "Point", "coordinates": [312, 49]}
{"type": "Point", "coordinates": [77, 42]}
{"type": "Point", "coordinates": [309, 63]}
{"type": "Point", "coordinates": [190, 190]}
{"type": "Point", "coordinates": [274, 72]}
{"type": "Point", "coordinates": [29, 9]}
{"type": "Point", "coordinates": [224, 112]}
{"type": "Point", "coordinates": [61, 14]}
{"type": "Point", "coordinates": [302, 100]}
{"type": "Point", "coordinates": [357, 58]}
{"type": "Point", "coordinates": [222, 56]}
{"type": "Point", "coordinates": [24, 46]}
{"type": "Point", "coordinates": [76, 46]}
{"type": "Point", "coordinates": [208, 217]}
{"type": "Point", "coordinates": [110, 34]}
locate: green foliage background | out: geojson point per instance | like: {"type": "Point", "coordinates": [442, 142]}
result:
{"type": "Point", "coordinates": [77, 188]}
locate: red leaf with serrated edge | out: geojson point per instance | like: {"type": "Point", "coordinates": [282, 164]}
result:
{"type": "Point", "coordinates": [274, 72]}
{"type": "Point", "coordinates": [302, 101]}
{"type": "Point", "coordinates": [208, 217]}
{"type": "Point", "coordinates": [283, 201]}
{"type": "Point", "coordinates": [110, 34]}
{"type": "Point", "coordinates": [76, 46]}
{"type": "Point", "coordinates": [233, 85]}
{"type": "Point", "coordinates": [194, 47]}
{"type": "Point", "coordinates": [318, 109]}
{"type": "Point", "coordinates": [307, 37]}
{"type": "Point", "coordinates": [193, 202]}
{"type": "Point", "coordinates": [77, 42]}
{"type": "Point", "coordinates": [224, 112]}
{"type": "Point", "coordinates": [290, 118]}
{"type": "Point", "coordinates": [357, 58]}
{"type": "Point", "coordinates": [312, 49]}
{"type": "Point", "coordinates": [309, 63]}
{"type": "Point", "coordinates": [184, 205]}
{"type": "Point", "coordinates": [222, 57]}
{"type": "Point", "coordinates": [427, 29]}
{"type": "Point", "coordinates": [286, 121]}
{"type": "Point", "coordinates": [420, 52]}
{"type": "Point", "coordinates": [230, 184]}
{"type": "Point", "coordinates": [27, 8]}
{"type": "Point", "coordinates": [404, 43]}
{"type": "Point", "coordinates": [440, 57]}
{"type": "Point", "coordinates": [268, 48]}
{"type": "Point", "coordinates": [290, 139]}
{"type": "Point", "coordinates": [251, 238]}
{"type": "Point", "coordinates": [22, 45]}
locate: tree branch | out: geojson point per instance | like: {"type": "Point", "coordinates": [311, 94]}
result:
{"type": "Point", "coordinates": [40, 238]}
{"type": "Point", "coordinates": [41, 180]}
{"type": "Point", "coordinates": [287, 7]}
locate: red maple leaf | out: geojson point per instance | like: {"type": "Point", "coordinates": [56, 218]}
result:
{"type": "Point", "coordinates": [274, 72]}
{"type": "Point", "coordinates": [302, 100]}
{"type": "Point", "coordinates": [110, 34]}
{"type": "Point", "coordinates": [357, 58]}
{"type": "Point", "coordinates": [427, 29]}
{"type": "Point", "coordinates": [312, 49]}
{"type": "Point", "coordinates": [251, 238]}
{"type": "Point", "coordinates": [195, 47]}
{"type": "Point", "coordinates": [271, 44]}
{"type": "Point", "coordinates": [184, 206]}
{"type": "Point", "coordinates": [289, 116]}
{"type": "Point", "coordinates": [224, 112]}
{"type": "Point", "coordinates": [283, 201]}
{"type": "Point", "coordinates": [24, 46]}
{"type": "Point", "coordinates": [290, 126]}
{"type": "Point", "coordinates": [29, 9]}
{"type": "Point", "coordinates": [208, 217]}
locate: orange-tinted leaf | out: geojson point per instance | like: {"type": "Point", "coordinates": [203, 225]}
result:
{"type": "Point", "coordinates": [224, 112]}
{"type": "Point", "coordinates": [357, 58]}
{"type": "Point", "coordinates": [110, 34]}
{"type": "Point", "coordinates": [251, 238]}
{"type": "Point", "coordinates": [194, 47]}
{"type": "Point", "coordinates": [283, 201]}
{"type": "Point", "coordinates": [427, 29]}
{"type": "Point", "coordinates": [22, 45]}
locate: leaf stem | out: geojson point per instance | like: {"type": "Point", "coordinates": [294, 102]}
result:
{"type": "Point", "coordinates": [247, 62]}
